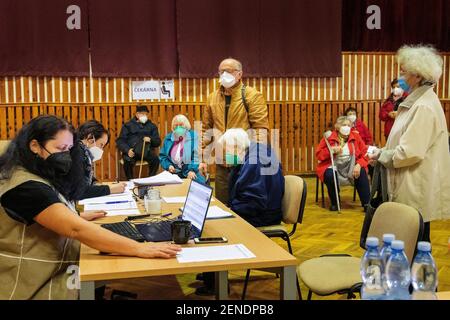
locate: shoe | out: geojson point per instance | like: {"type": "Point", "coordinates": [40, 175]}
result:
{"type": "Point", "coordinates": [123, 295]}
{"type": "Point", "coordinates": [333, 208]}
{"type": "Point", "coordinates": [205, 291]}
{"type": "Point", "coordinates": [199, 277]}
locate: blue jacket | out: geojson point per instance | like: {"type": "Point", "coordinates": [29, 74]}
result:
{"type": "Point", "coordinates": [190, 155]}
{"type": "Point", "coordinates": [256, 187]}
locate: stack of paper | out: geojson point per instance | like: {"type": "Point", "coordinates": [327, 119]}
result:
{"type": "Point", "coordinates": [163, 178]}
{"type": "Point", "coordinates": [216, 212]}
{"type": "Point", "coordinates": [126, 205]}
{"type": "Point", "coordinates": [176, 199]}
{"type": "Point", "coordinates": [214, 253]}
{"type": "Point", "coordinates": [106, 199]}
{"type": "Point", "coordinates": [114, 204]}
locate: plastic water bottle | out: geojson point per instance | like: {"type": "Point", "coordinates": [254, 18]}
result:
{"type": "Point", "coordinates": [424, 273]}
{"type": "Point", "coordinates": [385, 253]}
{"type": "Point", "coordinates": [386, 250]}
{"type": "Point", "coordinates": [371, 272]}
{"type": "Point", "coordinates": [398, 275]}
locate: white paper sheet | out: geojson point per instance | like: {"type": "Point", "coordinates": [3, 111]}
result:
{"type": "Point", "coordinates": [177, 199]}
{"type": "Point", "coordinates": [214, 253]}
{"type": "Point", "coordinates": [115, 206]}
{"type": "Point", "coordinates": [163, 178]}
{"type": "Point", "coordinates": [215, 212]}
{"type": "Point", "coordinates": [106, 199]}
{"type": "Point", "coordinates": [129, 212]}
{"type": "Point", "coordinates": [372, 150]}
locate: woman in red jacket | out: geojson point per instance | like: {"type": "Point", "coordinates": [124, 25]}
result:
{"type": "Point", "coordinates": [388, 110]}
{"type": "Point", "coordinates": [358, 126]}
{"type": "Point", "coordinates": [344, 144]}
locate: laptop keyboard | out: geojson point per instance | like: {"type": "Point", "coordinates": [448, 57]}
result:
{"type": "Point", "coordinates": [125, 229]}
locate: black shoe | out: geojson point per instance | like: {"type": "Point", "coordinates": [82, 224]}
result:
{"type": "Point", "coordinates": [100, 293]}
{"type": "Point", "coordinates": [205, 291]}
{"type": "Point", "coordinates": [123, 295]}
{"type": "Point", "coordinates": [333, 208]}
{"type": "Point", "coordinates": [199, 277]}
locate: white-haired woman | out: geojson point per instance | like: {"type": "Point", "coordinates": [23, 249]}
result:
{"type": "Point", "coordinates": [179, 153]}
{"type": "Point", "coordinates": [417, 153]}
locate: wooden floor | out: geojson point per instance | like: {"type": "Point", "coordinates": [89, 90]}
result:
{"type": "Point", "coordinates": [321, 232]}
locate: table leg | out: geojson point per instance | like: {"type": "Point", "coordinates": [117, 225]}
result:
{"type": "Point", "coordinates": [87, 290]}
{"type": "Point", "coordinates": [221, 278]}
{"type": "Point", "coordinates": [288, 287]}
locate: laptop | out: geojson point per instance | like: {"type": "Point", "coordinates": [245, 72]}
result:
{"type": "Point", "coordinates": [195, 210]}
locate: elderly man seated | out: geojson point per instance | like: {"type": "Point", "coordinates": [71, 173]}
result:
{"type": "Point", "coordinates": [256, 185]}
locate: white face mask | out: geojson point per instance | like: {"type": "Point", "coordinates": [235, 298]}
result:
{"type": "Point", "coordinates": [143, 119]}
{"type": "Point", "coordinates": [227, 80]}
{"type": "Point", "coordinates": [96, 152]}
{"type": "Point", "coordinates": [352, 118]}
{"type": "Point", "coordinates": [345, 130]}
{"type": "Point", "coordinates": [397, 92]}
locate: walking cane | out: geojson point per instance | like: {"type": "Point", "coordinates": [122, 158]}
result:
{"type": "Point", "coordinates": [142, 159]}
{"type": "Point", "coordinates": [334, 173]}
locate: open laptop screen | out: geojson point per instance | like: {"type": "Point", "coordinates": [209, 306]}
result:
{"type": "Point", "coordinates": [197, 203]}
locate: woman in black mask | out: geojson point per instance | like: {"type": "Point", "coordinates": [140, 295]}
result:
{"type": "Point", "coordinates": [40, 230]}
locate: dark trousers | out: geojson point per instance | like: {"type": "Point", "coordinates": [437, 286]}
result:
{"type": "Point", "coordinates": [361, 184]}
{"type": "Point", "coordinates": [129, 163]}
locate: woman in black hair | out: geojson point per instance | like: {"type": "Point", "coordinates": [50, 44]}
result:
{"type": "Point", "coordinates": [40, 230]}
{"type": "Point", "coordinates": [93, 138]}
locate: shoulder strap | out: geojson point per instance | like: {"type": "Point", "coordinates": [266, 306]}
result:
{"type": "Point", "coordinates": [244, 101]}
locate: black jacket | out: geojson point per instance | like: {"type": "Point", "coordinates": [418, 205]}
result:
{"type": "Point", "coordinates": [91, 190]}
{"type": "Point", "coordinates": [133, 133]}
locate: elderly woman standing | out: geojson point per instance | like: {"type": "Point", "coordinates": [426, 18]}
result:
{"type": "Point", "coordinates": [349, 155]}
{"type": "Point", "coordinates": [179, 153]}
{"type": "Point", "coordinates": [417, 153]}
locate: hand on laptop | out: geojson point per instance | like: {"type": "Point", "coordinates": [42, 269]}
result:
{"type": "Point", "coordinates": [158, 250]}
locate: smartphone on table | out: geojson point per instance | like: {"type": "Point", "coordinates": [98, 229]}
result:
{"type": "Point", "coordinates": [210, 240]}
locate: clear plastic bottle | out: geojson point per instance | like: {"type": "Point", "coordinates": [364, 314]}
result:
{"type": "Point", "coordinates": [385, 253]}
{"type": "Point", "coordinates": [386, 250]}
{"type": "Point", "coordinates": [398, 274]}
{"type": "Point", "coordinates": [371, 272]}
{"type": "Point", "coordinates": [424, 273]}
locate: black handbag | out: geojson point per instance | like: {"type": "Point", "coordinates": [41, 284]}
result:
{"type": "Point", "coordinates": [378, 195]}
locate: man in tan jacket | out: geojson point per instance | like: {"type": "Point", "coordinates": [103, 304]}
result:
{"type": "Point", "coordinates": [233, 105]}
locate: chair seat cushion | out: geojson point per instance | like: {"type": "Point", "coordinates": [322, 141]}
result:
{"type": "Point", "coordinates": [326, 275]}
{"type": "Point", "coordinates": [273, 228]}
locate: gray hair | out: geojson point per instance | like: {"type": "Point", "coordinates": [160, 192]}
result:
{"type": "Point", "coordinates": [421, 60]}
{"type": "Point", "coordinates": [237, 63]}
{"type": "Point", "coordinates": [235, 137]}
{"type": "Point", "coordinates": [183, 119]}
{"type": "Point", "coordinates": [341, 121]}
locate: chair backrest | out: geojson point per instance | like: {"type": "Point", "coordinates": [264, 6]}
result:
{"type": "Point", "coordinates": [4, 145]}
{"type": "Point", "coordinates": [403, 221]}
{"type": "Point", "coordinates": [294, 199]}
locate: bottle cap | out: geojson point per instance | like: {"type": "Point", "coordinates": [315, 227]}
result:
{"type": "Point", "coordinates": [398, 245]}
{"type": "Point", "coordinates": [372, 242]}
{"type": "Point", "coordinates": [424, 246]}
{"type": "Point", "coordinates": [388, 237]}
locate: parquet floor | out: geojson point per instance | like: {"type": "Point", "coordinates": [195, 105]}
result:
{"type": "Point", "coordinates": [321, 232]}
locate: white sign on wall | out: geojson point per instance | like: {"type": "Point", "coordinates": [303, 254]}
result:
{"type": "Point", "coordinates": [143, 90]}
{"type": "Point", "coordinates": [167, 89]}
